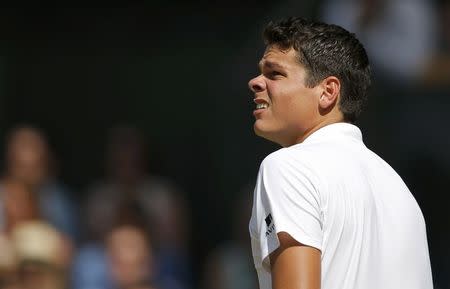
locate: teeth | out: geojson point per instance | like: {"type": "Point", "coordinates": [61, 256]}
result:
{"type": "Point", "coordinates": [261, 105]}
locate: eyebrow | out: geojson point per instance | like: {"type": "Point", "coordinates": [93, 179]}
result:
{"type": "Point", "coordinates": [270, 64]}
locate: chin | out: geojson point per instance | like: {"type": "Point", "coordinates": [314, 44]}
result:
{"type": "Point", "coordinates": [258, 129]}
{"type": "Point", "coordinates": [264, 133]}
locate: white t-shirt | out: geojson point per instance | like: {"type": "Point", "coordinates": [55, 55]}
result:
{"type": "Point", "coordinates": [332, 193]}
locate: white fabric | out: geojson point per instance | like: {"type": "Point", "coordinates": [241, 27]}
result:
{"type": "Point", "coordinates": [332, 193]}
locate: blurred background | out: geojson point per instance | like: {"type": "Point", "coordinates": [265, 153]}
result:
{"type": "Point", "coordinates": [127, 151]}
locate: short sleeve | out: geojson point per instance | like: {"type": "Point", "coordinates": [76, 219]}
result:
{"type": "Point", "coordinates": [286, 199]}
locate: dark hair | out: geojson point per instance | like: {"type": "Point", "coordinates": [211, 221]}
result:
{"type": "Point", "coordinates": [326, 50]}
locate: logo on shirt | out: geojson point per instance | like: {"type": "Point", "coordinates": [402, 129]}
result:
{"type": "Point", "coordinates": [270, 225]}
{"type": "Point", "coordinates": [268, 220]}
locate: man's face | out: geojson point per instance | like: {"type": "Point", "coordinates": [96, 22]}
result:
{"type": "Point", "coordinates": [285, 108]}
{"type": "Point", "coordinates": [130, 255]}
{"type": "Point", "coordinates": [27, 157]}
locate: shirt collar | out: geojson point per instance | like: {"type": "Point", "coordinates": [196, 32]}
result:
{"type": "Point", "coordinates": [339, 129]}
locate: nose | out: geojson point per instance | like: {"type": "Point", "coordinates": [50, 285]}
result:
{"type": "Point", "coordinates": [257, 84]}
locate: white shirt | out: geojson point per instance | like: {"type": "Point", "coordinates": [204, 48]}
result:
{"type": "Point", "coordinates": [332, 193]}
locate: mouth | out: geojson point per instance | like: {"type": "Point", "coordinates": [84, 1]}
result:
{"type": "Point", "coordinates": [261, 105]}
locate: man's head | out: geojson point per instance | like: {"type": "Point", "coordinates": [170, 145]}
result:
{"type": "Point", "coordinates": [27, 156]}
{"type": "Point", "coordinates": [312, 74]}
{"type": "Point", "coordinates": [130, 256]}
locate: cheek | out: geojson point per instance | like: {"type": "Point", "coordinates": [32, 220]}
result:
{"type": "Point", "coordinates": [295, 106]}
{"type": "Point", "coordinates": [281, 99]}
{"type": "Point", "coordinates": [285, 103]}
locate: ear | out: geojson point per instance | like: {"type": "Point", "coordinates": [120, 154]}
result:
{"type": "Point", "coordinates": [331, 89]}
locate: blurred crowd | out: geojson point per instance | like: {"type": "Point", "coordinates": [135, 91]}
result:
{"type": "Point", "coordinates": [132, 230]}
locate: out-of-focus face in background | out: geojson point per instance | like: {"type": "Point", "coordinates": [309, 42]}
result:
{"type": "Point", "coordinates": [130, 257]}
{"type": "Point", "coordinates": [27, 157]}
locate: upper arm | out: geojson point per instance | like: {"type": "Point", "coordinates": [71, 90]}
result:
{"type": "Point", "coordinates": [294, 265]}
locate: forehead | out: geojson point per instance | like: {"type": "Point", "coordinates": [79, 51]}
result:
{"type": "Point", "coordinates": [275, 57]}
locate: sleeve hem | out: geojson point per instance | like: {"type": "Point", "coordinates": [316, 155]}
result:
{"type": "Point", "coordinates": [304, 240]}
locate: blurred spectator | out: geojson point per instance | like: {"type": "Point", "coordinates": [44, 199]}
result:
{"type": "Point", "coordinates": [126, 259]}
{"type": "Point", "coordinates": [34, 253]}
{"type": "Point", "coordinates": [8, 264]}
{"type": "Point", "coordinates": [90, 268]}
{"type": "Point", "coordinates": [130, 257]}
{"type": "Point", "coordinates": [28, 161]}
{"type": "Point", "coordinates": [399, 35]}
{"type": "Point", "coordinates": [230, 265]}
{"type": "Point", "coordinates": [437, 71]}
{"type": "Point", "coordinates": [43, 256]}
{"type": "Point", "coordinates": [19, 205]}
{"type": "Point", "coordinates": [170, 234]}
{"type": "Point", "coordinates": [127, 181]}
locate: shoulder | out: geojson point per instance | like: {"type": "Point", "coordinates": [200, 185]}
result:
{"type": "Point", "coordinates": [290, 168]}
{"type": "Point", "coordinates": [296, 159]}
{"type": "Point", "coordinates": [274, 159]}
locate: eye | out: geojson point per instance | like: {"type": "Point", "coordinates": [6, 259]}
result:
{"type": "Point", "coordinates": [274, 74]}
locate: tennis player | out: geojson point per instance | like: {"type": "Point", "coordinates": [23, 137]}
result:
{"type": "Point", "coordinates": [328, 212]}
